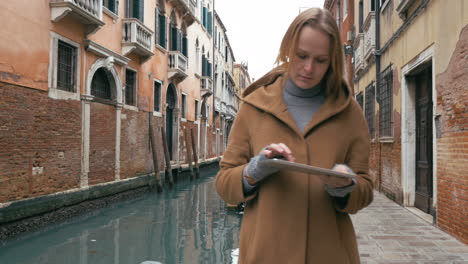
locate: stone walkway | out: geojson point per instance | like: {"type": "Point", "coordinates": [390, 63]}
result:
{"type": "Point", "coordinates": [390, 234]}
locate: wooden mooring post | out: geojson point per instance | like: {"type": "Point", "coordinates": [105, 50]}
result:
{"type": "Point", "coordinates": [168, 172]}
{"type": "Point", "coordinates": [195, 156]}
{"type": "Point", "coordinates": [154, 151]}
{"type": "Point", "coordinates": [189, 154]}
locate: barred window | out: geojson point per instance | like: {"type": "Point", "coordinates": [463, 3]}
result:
{"type": "Point", "coordinates": [130, 87]}
{"type": "Point", "coordinates": [370, 108]}
{"type": "Point", "coordinates": [66, 66]}
{"type": "Point", "coordinates": [386, 98]}
{"type": "Point", "coordinates": [157, 96]}
{"type": "Point", "coordinates": [360, 100]}
{"type": "Point", "coordinates": [100, 85]}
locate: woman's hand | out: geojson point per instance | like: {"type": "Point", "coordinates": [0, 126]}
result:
{"type": "Point", "coordinates": [278, 150]}
{"type": "Point", "coordinates": [255, 171]}
{"type": "Point", "coordinates": [335, 181]}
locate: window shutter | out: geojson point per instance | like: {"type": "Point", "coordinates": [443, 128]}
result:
{"type": "Point", "coordinates": [210, 19]}
{"type": "Point", "coordinates": [205, 15]}
{"type": "Point", "coordinates": [185, 46]}
{"type": "Point", "coordinates": [162, 31]}
{"type": "Point", "coordinates": [156, 25]}
{"type": "Point", "coordinates": [203, 65]}
{"type": "Point", "coordinates": [173, 38]}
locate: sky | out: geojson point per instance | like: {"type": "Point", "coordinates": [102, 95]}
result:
{"type": "Point", "coordinates": [255, 28]}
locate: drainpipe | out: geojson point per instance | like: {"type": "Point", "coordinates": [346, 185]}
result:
{"type": "Point", "coordinates": [213, 67]}
{"type": "Point", "coordinates": [377, 77]}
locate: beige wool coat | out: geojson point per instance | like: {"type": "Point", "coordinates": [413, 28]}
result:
{"type": "Point", "coordinates": [291, 218]}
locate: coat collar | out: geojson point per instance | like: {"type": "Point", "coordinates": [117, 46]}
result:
{"type": "Point", "coordinates": [269, 98]}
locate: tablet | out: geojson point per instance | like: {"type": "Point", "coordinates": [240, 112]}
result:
{"type": "Point", "coordinates": [283, 164]}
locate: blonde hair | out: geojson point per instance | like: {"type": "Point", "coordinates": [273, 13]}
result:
{"type": "Point", "coordinates": [319, 19]}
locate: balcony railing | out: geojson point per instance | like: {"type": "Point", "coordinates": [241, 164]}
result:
{"type": "Point", "coordinates": [206, 86]}
{"type": "Point", "coordinates": [137, 38]}
{"type": "Point", "coordinates": [369, 36]}
{"type": "Point", "coordinates": [88, 12]}
{"type": "Point", "coordinates": [177, 66]}
{"type": "Point", "coordinates": [359, 53]}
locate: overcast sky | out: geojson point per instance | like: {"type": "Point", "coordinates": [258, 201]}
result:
{"type": "Point", "coordinates": [255, 28]}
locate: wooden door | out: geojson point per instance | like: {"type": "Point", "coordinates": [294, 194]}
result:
{"type": "Point", "coordinates": [423, 197]}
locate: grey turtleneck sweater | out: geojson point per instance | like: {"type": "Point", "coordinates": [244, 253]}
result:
{"type": "Point", "coordinates": [303, 103]}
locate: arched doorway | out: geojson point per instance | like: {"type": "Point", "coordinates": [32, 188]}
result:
{"type": "Point", "coordinates": [171, 118]}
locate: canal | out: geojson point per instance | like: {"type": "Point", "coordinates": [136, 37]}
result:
{"type": "Point", "coordinates": [188, 224]}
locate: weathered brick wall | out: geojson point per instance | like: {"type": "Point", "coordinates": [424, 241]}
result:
{"type": "Point", "coordinates": [135, 149]}
{"type": "Point", "coordinates": [452, 146]}
{"type": "Point", "coordinates": [41, 133]}
{"type": "Point", "coordinates": [102, 143]}
{"type": "Point", "coordinates": [385, 158]}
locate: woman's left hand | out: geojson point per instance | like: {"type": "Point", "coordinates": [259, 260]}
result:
{"type": "Point", "coordinates": [338, 182]}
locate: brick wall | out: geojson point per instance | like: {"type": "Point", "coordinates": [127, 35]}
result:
{"type": "Point", "coordinates": [40, 143]}
{"type": "Point", "coordinates": [135, 149]}
{"type": "Point", "coordinates": [102, 143]}
{"type": "Point", "coordinates": [452, 145]}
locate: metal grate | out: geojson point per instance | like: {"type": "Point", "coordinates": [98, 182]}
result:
{"type": "Point", "coordinates": [66, 67]}
{"type": "Point", "coordinates": [370, 108]}
{"type": "Point", "coordinates": [386, 94]}
{"type": "Point", "coordinates": [100, 86]}
{"type": "Point", "coordinates": [130, 85]}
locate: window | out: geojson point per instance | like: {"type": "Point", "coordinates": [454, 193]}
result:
{"type": "Point", "coordinates": [112, 5]}
{"type": "Point", "coordinates": [196, 109]}
{"type": "Point", "coordinates": [130, 87]}
{"type": "Point", "coordinates": [184, 105]}
{"type": "Point", "coordinates": [372, 5]}
{"type": "Point", "coordinates": [160, 25]}
{"type": "Point", "coordinates": [66, 67]}
{"type": "Point", "coordinates": [360, 100]}
{"type": "Point", "coordinates": [157, 96]}
{"type": "Point", "coordinates": [64, 74]}
{"type": "Point", "coordinates": [338, 17]}
{"type": "Point", "coordinates": [135, 9]}
{"type": "Point", "coordinates": [385, 99]}
{"type": "Point", "coordinates": [361, 16]}
{"type": "Point", "coordinates": [100, 85]}
{"type": "Point", "coordinates": [370, 108]}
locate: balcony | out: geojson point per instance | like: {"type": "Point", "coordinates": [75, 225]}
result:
{"type": "Point", "coordinates": [359, 64]}
{"type": "Point", "coordinates": [136, 38]}
{"type": "Point", "coordinates": [217, 104]}
{"type": "Point", "coordinates": [187, 9]}
{"type": "Point", "coordinates": [87, 12]}
{"type": "Point", "coordinates": [206, 86]}
{"type": "Point", "coordinates": [177, 66]}
{"type": "Point", "coordinates": [369, 36]}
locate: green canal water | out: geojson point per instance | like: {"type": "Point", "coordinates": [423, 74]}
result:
{"type": "Point", "coordinates": [188, 224]}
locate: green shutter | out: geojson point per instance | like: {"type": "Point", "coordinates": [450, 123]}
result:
{"type": "Point", "coordinates": [210, 27]}
{"type": "Point", "coordinates": [162, 31]}
{"type": "Point", "coordinates": [205, 16]}
{"type": "Point", "coordinates": [185, 46]}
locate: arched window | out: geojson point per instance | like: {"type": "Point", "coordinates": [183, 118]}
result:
{"type": "Point", "coordinates": [184, 40]}
{"type": "Point", "coordinates": [100, 85]}
{"type": "Point", "coordinates": [197, 57]}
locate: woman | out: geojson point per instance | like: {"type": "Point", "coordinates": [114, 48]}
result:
{"type": "Point", "coordinates": [304, 112]}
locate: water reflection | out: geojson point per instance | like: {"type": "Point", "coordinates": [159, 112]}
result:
{"type": "Point", "coordinates": [189, 224]}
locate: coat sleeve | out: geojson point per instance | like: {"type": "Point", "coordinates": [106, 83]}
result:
{"type": "Point", "coordinates": [235, 158]}
{"type": "Point", "coordinates": [357, 159]}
